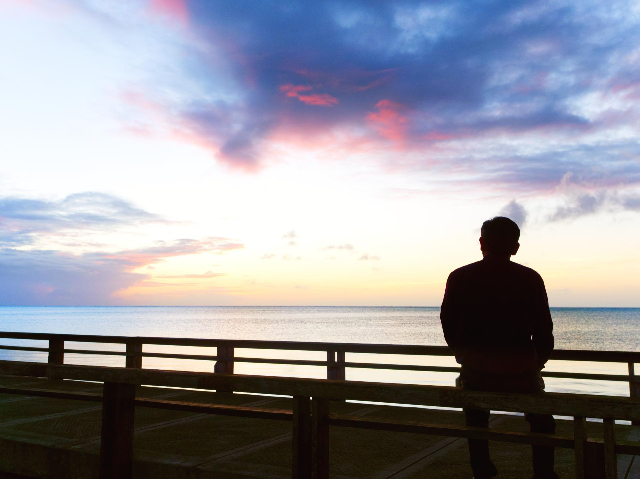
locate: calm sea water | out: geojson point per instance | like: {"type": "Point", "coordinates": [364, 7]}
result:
{"type": "Point", "coordinates": [575, 328]}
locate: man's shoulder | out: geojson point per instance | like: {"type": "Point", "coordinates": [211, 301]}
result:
{"type": "Point", "coordinates": [466, 269]}
{"type": "Point", "coordinates": [479, 267]}
{"type": "Point", "coordinates": [526, 271]}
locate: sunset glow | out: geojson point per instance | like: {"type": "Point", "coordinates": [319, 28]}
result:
{"type": "Point", "coordinates": [193, 152]}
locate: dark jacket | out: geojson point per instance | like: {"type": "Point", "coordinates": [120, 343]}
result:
{"type": "Point", "coordinates": [495, 317]}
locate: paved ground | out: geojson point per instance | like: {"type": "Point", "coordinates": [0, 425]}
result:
{"type": "Point", "coordinates": [40, 437]}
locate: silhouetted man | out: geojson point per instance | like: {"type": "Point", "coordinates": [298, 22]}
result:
{"type": "Point", "coordinates": [495, 317]}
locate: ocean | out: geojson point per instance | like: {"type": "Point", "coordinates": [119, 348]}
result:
{"type": "Point", "coordinates": [574, 328]}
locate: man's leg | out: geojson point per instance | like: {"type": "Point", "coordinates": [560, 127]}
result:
{"type": "Point", "coordinates": [543, 456]}
{"type": "Point", "coordinates": [481, 464]}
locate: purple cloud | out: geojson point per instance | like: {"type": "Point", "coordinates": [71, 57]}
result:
{"type": "Point", "coordinates": [512, 95]}
{"type": "Point", "coordinates": [515, 212]}
{"type": "Point", "coordinates": [54, 277]}
{"type": "Point", "coordinates": [21, 219]}
{"type": "Point", "coordinates": [44, 277]}
{"type": "Point", "coordinates": [588, 203]}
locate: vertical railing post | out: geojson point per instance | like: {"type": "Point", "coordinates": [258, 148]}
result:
{"type": "Point", "coordinates": [594, 467]}
{"type": "Point", "coordinates": [134, 354]}
{"type": "Point", "coordinates": [610, 459]}
{"type": "Point", "coordinates": [301, 466]}
{"type": "Point", "coordinates": [580, 443]}
{"type": "Point", "coordinates": [116, 446]}
{"type": "Point", "coordinates": [56, 351]}
{"type": "Point", "coordinates": [634, 387]}
{"type": "Point", "coordinates": [341, 368]}
{"type": "Point", "coordinates": [335, 366]}
{"type": "Point", "coordinates": [224, 364]}
{"type": "Point", "coordinates": [320, 438]}
{"type": "Point", "coordinates": [590, 456]}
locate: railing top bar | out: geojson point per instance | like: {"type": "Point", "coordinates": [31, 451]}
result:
{"type": "Point", "coordinates": [558, 354]}
{"type": "Point", "coordinates": [239, 343]}
{"type": "Point", "coordinates": [555, 403]}
{"type": "Point", "coordinates": [599, 356]}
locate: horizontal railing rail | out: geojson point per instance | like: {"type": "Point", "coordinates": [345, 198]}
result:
{"type": "Point", "coordinates": [336, 363]}
{"type": "Point", "coordinates": [311, 415]}
{"type": "Point", "coordinates": [596, 406]}
{"type": "Point", "coordinates": [401, 349]}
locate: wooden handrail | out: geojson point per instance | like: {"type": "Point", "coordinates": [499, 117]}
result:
{"type": "Point", "coordinates": [420, 350]}
{"type": "Point", "coordinates": [311, 419]}
{"type": "Point", "coordinates": [307, 362]}
{"type": "Point", "coordinates": [335, 364]}
{"type": "Point", "coordinates": [441, 396]}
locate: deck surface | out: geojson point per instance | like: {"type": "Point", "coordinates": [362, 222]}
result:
{"type": "Point", "coordinates": [41, 435]}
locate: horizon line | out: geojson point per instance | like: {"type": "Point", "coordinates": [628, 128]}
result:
{"type": "Point", "coordinates": [261, 306]}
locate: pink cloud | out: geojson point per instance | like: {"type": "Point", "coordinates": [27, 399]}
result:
{"type": "Point", "coordinates": [294, 90]}
{"type": "Point", "coordinates": [630, 90]}
{"type": "Point", "coordinates": [156, 119]}
{"type": "Point", "coordinates": [207, 275]}
{"type": "Point", "coordinates": [388, 121]}
{"type": "Point", "coordinates": [143, 257]}
{"type": "Point", "coordinates": [318, 99]}
{"type": "Point", "coordinates": [176, 10]}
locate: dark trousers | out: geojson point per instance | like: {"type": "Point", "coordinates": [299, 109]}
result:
{"type": "Point", "coordinates": [529, 382]}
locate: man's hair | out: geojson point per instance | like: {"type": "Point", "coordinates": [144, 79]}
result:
{"type": "Point", "coordinates": [500, 235]}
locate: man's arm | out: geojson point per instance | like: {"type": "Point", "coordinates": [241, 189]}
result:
{"type": "Point", "coordinates": [543, 327]}
{"type": "Point", "coordinates": [448, 313]}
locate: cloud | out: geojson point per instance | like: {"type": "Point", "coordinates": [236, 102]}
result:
{"type": "Point", "coordinates": [631, 203]}
{"type": "Point", "coordinates": [268, 256]}
{"type": "Point", "coordinates": [515, 212]}
{"type": "Point", "coordinates": [318, 99]}
{"type": "Point", "coordinates": [422, 74]}
{"type": "Point", "coordinates": [584, 203]}
{"type": "Point", "coordinates": [176, 10]}
{"type": "Point", "coordinates": [388, 120]}
{"type": "Point", "coordinates": [22, 220]}
{"type": "Point", "coordinates": [31, 274]}
{"type": "Point", "coordinates": [207, 275]}
{"type": "Point", "coordinates": [344, 247]}
{"type": "Point", "coordinates": [44, 277]}
{"type": "Point", "coordinates": [368, 257]}
{"type": "Point", "coordinates": [511, 95]}
{"type": "Point", "coordinates": [167, 249]}
{"type": "Point", "coordinates": [51, 278]}
{"type": "Point", "coordinates": [291, 236]}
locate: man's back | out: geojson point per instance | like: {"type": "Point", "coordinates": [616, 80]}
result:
{"type": "Point", "coordinates": [495, 316]}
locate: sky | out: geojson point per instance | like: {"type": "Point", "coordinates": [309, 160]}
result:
{"type": "Point", "coordinates": [205, 152]}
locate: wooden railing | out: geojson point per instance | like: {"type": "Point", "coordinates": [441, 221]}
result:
{"type": "Point", "coordinates": [312, 418]}
{"type": "Point", "coordinates": [336, 364]}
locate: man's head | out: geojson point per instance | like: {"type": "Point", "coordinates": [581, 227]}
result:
{"type": "Point", "coordinates": [499, 236]}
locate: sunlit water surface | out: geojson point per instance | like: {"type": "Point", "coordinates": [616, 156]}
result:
{"type": "Point", "coordinates": [574, 328]}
